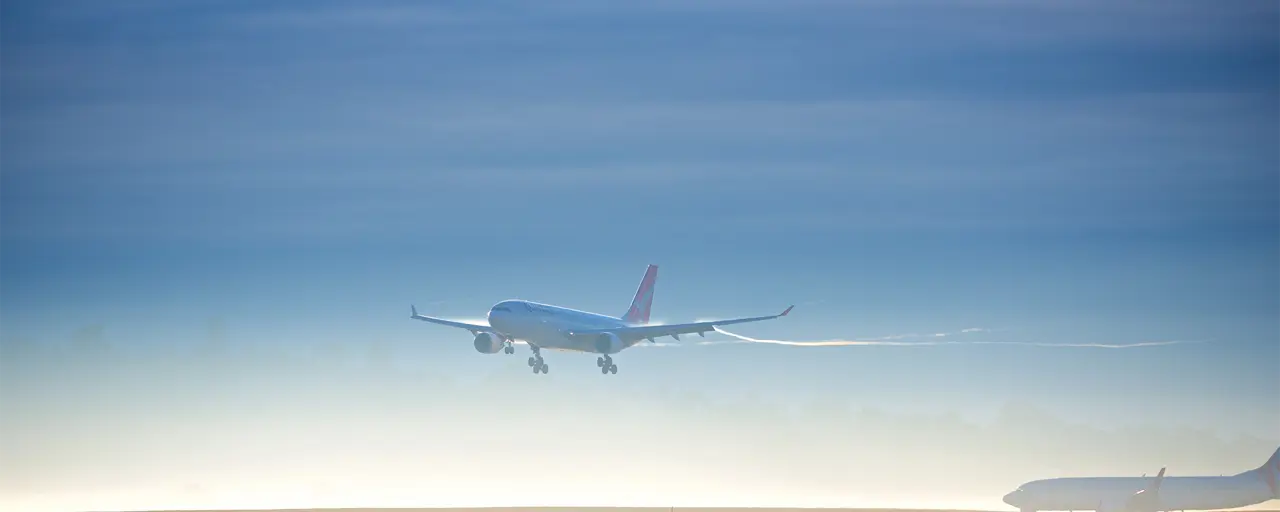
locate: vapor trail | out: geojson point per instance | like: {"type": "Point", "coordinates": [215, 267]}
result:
{"type": "Point", "coordinates": [881, 342]}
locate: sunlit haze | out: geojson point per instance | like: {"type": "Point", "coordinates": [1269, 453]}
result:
{"type": "Point", "coordinates": [1023, 240]}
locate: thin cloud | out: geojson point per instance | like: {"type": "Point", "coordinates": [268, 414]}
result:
{"type": "Point", "coordinates": [384, 17]}
{"type": "Point", "coordinates": [890, 340]}
{"type": "Point", "coordinates": [879, 342]}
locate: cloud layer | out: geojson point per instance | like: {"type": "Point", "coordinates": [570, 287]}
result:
{"type": "Point", "coordinates": [221, 427]}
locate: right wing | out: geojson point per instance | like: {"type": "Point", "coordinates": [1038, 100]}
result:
{"type": "Point", "coordinates": [474, 328]}
{"type": "Point", "coordinates": [674, 330]}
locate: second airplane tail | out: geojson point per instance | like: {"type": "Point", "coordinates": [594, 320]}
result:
{"type": "Point", "coordinates": [1271, 474]}
{"type": "Point", "coordinates": [643, 301]}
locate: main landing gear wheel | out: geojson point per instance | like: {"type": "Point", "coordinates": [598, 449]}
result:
{"type": "Point", "coordinates": [508, 349]}
{"type": "Point", "coordinates": [599, 362]}
{"type": "Point", "coordinates": [537, 363]}
{"type": "Point", "coordinates": [606, 365]}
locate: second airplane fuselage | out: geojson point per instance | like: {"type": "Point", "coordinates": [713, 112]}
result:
{"type": "Point", "coordinates": [1112, 493]}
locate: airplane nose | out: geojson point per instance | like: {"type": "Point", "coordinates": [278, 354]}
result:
{"type": "Point", "coordinates": [1011, 498]}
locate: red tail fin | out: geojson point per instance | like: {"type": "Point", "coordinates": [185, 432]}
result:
{"type": "Point", "coordinates": [640, 305]}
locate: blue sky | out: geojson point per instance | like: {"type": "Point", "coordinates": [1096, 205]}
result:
{"type": "Point", "coordinates": [274, 183]}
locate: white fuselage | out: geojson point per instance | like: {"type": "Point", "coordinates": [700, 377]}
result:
{"type": "Point", "coordinates": [544, 326]}
{"type": "Point", "coordinates": [1113, 493]}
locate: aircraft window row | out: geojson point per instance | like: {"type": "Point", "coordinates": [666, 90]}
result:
{"type": "Point", "coordinates": [507, 309]}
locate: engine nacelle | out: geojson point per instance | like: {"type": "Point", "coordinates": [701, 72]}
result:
{"type": "Point", "coordinates": [608, 343]}
{"type": "Point", "coordinates": [489, 343]}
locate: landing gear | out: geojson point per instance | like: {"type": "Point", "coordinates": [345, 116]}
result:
{"type": "Point", "coordinates": [536, 362]}
{"type": "Point", "coordinates": [508, 349]}
{"type": "Point", "coordinates": [606, 365]}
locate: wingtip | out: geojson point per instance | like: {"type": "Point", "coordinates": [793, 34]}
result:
{"type": "Point", "coordinates": [413, 311]}
{"type": "Point", "coordinates": [788, 310]}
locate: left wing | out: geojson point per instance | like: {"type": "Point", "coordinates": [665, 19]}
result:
{"type": "Point", "coordinates": [628, 334]}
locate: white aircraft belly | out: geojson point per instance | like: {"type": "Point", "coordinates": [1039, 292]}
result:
{"type": "Point", "coordinates": [1210, 499]}
{"type": "Point", "coordinates": [560, 342]}
{"type": "Point", "coordinates": [1108, 501]}
{"type": "Point", "coordinates": [546, 335]}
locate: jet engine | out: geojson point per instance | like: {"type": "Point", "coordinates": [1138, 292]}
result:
{"type": "Point", "coordinates": [489, 343]}
{"type": "Point", "coordinates": [608, 343]}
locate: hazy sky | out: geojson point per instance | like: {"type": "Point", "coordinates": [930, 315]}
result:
{"type": "Point", "coordinates": [214, 217]}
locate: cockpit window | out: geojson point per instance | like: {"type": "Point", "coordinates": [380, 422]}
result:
{"type": "Point", "coordinates": [502, 308]}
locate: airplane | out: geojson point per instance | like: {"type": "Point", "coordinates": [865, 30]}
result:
{"type": "Point", "coordinates": [1158, 494]}
{"type": "Point", "coordinates": [544, 326]}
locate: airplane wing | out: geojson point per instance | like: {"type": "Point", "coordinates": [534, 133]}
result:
{"type": "Point", "coordinates": [674, 330]}
{"type": "Point", "coordinates": [474, 328]}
